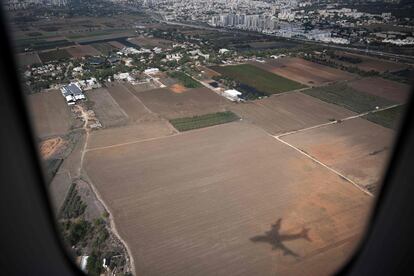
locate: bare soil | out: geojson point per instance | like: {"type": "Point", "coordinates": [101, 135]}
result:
{"type": "Point", "coordinates": [49, 113]}
{"type": "Point", "coordinates": [129, 134]}
{"type": "Point", "coordinates": [287, 112]}
{"type": "Point", "coordinates": [356, 148]}
{"type": "Point", "coordinates": [304, 71]}
{"type": "Point", "coordinates": [50, 146]}
{"type": "Point", "coordinates": [194, 203]}
{"type": "Point", "coordinates": [390, 90]}
{"type": "Point", "coordinates": [131, 104]}
{"type": "Point", "coordinates": [106, 108]}
{"type": "Point", "coordinates": [79, 51]}
{"type": "Point", "coordinates": [26, 59]}
{"type": "Point", "coordinates": [117, 44]}
{"type": "Point", "coordinates": [192, 102]}
{"type": "Point", "coordinates": [178, 88]}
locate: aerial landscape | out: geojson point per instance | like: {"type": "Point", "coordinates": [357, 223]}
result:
{"type": "Point", "coordinates": [213, 137]}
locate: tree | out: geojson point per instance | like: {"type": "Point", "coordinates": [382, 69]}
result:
{"type": "Point", "coordinates": [94, 264]}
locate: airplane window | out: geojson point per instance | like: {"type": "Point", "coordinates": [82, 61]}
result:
{"type": "Point", "coordinates": [212, 137]}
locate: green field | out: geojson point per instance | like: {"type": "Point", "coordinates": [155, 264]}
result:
{"type": "Point", "coordinates": [387, 118]}
{"type": "Point", "coordinates": [54, 55]}
{"type": "Point", "coordinates": [40, 44]}
{"type": "Point", "coordinates": [257, 78]}
{"type": "Point", "coordinates": [184, 124]}
{"type": "Point", "coordinates": [345, 96]}
{"type": "Point", "coordinates": [184, 79]}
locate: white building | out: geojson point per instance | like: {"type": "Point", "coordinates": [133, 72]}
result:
{"type": "Point", "coordinates": [150, 71]}
{"type": "Point", "coordinates": [232, 95]}
{"type": "Point", "coordinates": [72, 93]}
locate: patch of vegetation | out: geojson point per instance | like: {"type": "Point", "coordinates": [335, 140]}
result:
{"type": "Point", "coordinates": [345, 96]}
{"type": "Point", "coordinates": [54, 55]}
{"type": "Point", "coordinates": [184, 124]}
{"type": "Point", "coordinates": [73, 206]}
{"type": "Point", "coordinates": [94, 264]}
{"type": "Point", "coordinates": [263, 81]}
{"type": "Point", "coordinates": [388, 118]}
{"type": "Point", "coordinates": [40, 44]}
{"type": "Point", "coordinates": [184, 79]}
{"type": "Point", "coordinates": [52, 166]}
{"type": "Point", "coordinates": [249, 93]}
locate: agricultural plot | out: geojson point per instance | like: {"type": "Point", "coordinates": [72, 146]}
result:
{"type": "Point", "coordinates": [258, 79]}
{"type": "Point", "coordinates": [389, 118]}
{"type": "Point", "coordinates": [185, 80]}
{"type": "Point", "coordinates": [80, 51]}
{"type": "Point", "coordinates": [39, 44]}
{"type": "Point", "coordinates": [288, 112]}
{"type": "Point", "coordinates": [141, 131]}
{"type": "Point", "coordinates": [131, 104]}
{"type": "Point", "coordinates": [190, 103]}
{"type": "Point", "coordinates": [50, 114]}
{"type": "Point", "coordinates": [305, 72]}
{"type": "Point", "coordinates": [175, 225]}
{"type": "Point", "coordinates": [54, 55]}
{"type": "Point", "coordinates": [149, 42]}
{"type": "Point", "coordinates": [116, 44]}
{"type": "Point", "coordinates": [349, 98]}
{"type": "Point", "coordinates": [356, 148]}
{"type": "Point", "coordinates": [104, 48]}
{"type": "Point", "coordinates": [58, 189]}
{"type": "Point", "coordinates": [390, 90]}
{"type": "Point", "coordinates": [106, 109]}
{"type": "Point", "coordinates": [26, 59]}
{"type": "Point", "coordinates": [189, 123]}
{"type": "Point", "coordinates": [367, 63]}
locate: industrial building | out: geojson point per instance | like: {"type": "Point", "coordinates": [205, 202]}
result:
{"type": "Point", "coordinates": [72, 93]}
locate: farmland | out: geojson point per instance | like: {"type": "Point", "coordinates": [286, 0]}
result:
{"type": "Point", "coordinates": [303, 71]}
{"type": "Point", "coordinates": [28, 59]}
{"type": "Point", "coordinates": [185, 80]}
{"type": "Point", "coordinates": [54, 55]}
{"type": "Point", "coordinates": [366, 63]}
{"type": "Point", "coordinates": [80, 51]}
{"type": "Point", "coordinates": [189, 123]}
{"type": "Point", "coordinates": [104, 48]}
{"type": "Point", "coordinates": [105, 107]}
{"type": "Point", "coordinates": [390, 90]}
{"type": "Point", "coordinates": [279, 181]}
{"type": "Point", "coordinates": [192, 102]}
{"type": "Point", "coordinates": [282, 113]}
{"type": "Point", "coordinates": [357, 148]}
{"type": "Point", "coordinates": [50, 113]}
{"type": "Point", "coordinates": [389, 118]}
{"type": "Point", "coordinates": [257, 78]}
{"type": "Point", "coordinates": [147, 42]}
{"type": "Point", "coordinates": [171, 222]}
{"type": "Point", "coordinates": [347, 97]}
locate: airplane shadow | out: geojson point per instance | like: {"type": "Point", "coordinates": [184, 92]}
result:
{"type": "Point", "coordinates": [276, 239]}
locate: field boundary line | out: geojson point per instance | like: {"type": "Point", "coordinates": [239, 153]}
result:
{"type": "Point", "coordinates": [159, 137]}
{"type": "Point", "coordinates": [337, 121]}
{"type": "Point", "coordinates": [138, 99]}
{"type": "Point", "coordinates": [112, 223]}
{"type": "Point", "coordinates": [324, 165]}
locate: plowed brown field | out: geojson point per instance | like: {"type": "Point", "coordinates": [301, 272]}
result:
{"type": "Point", "coordinates": [287, 112]}
{"type": "Point", "coordinates": [303, 71]}
{"type": "Point", "coordinates": [356, 148]}
{"type": "Point", "coordinates": [194, 203]}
